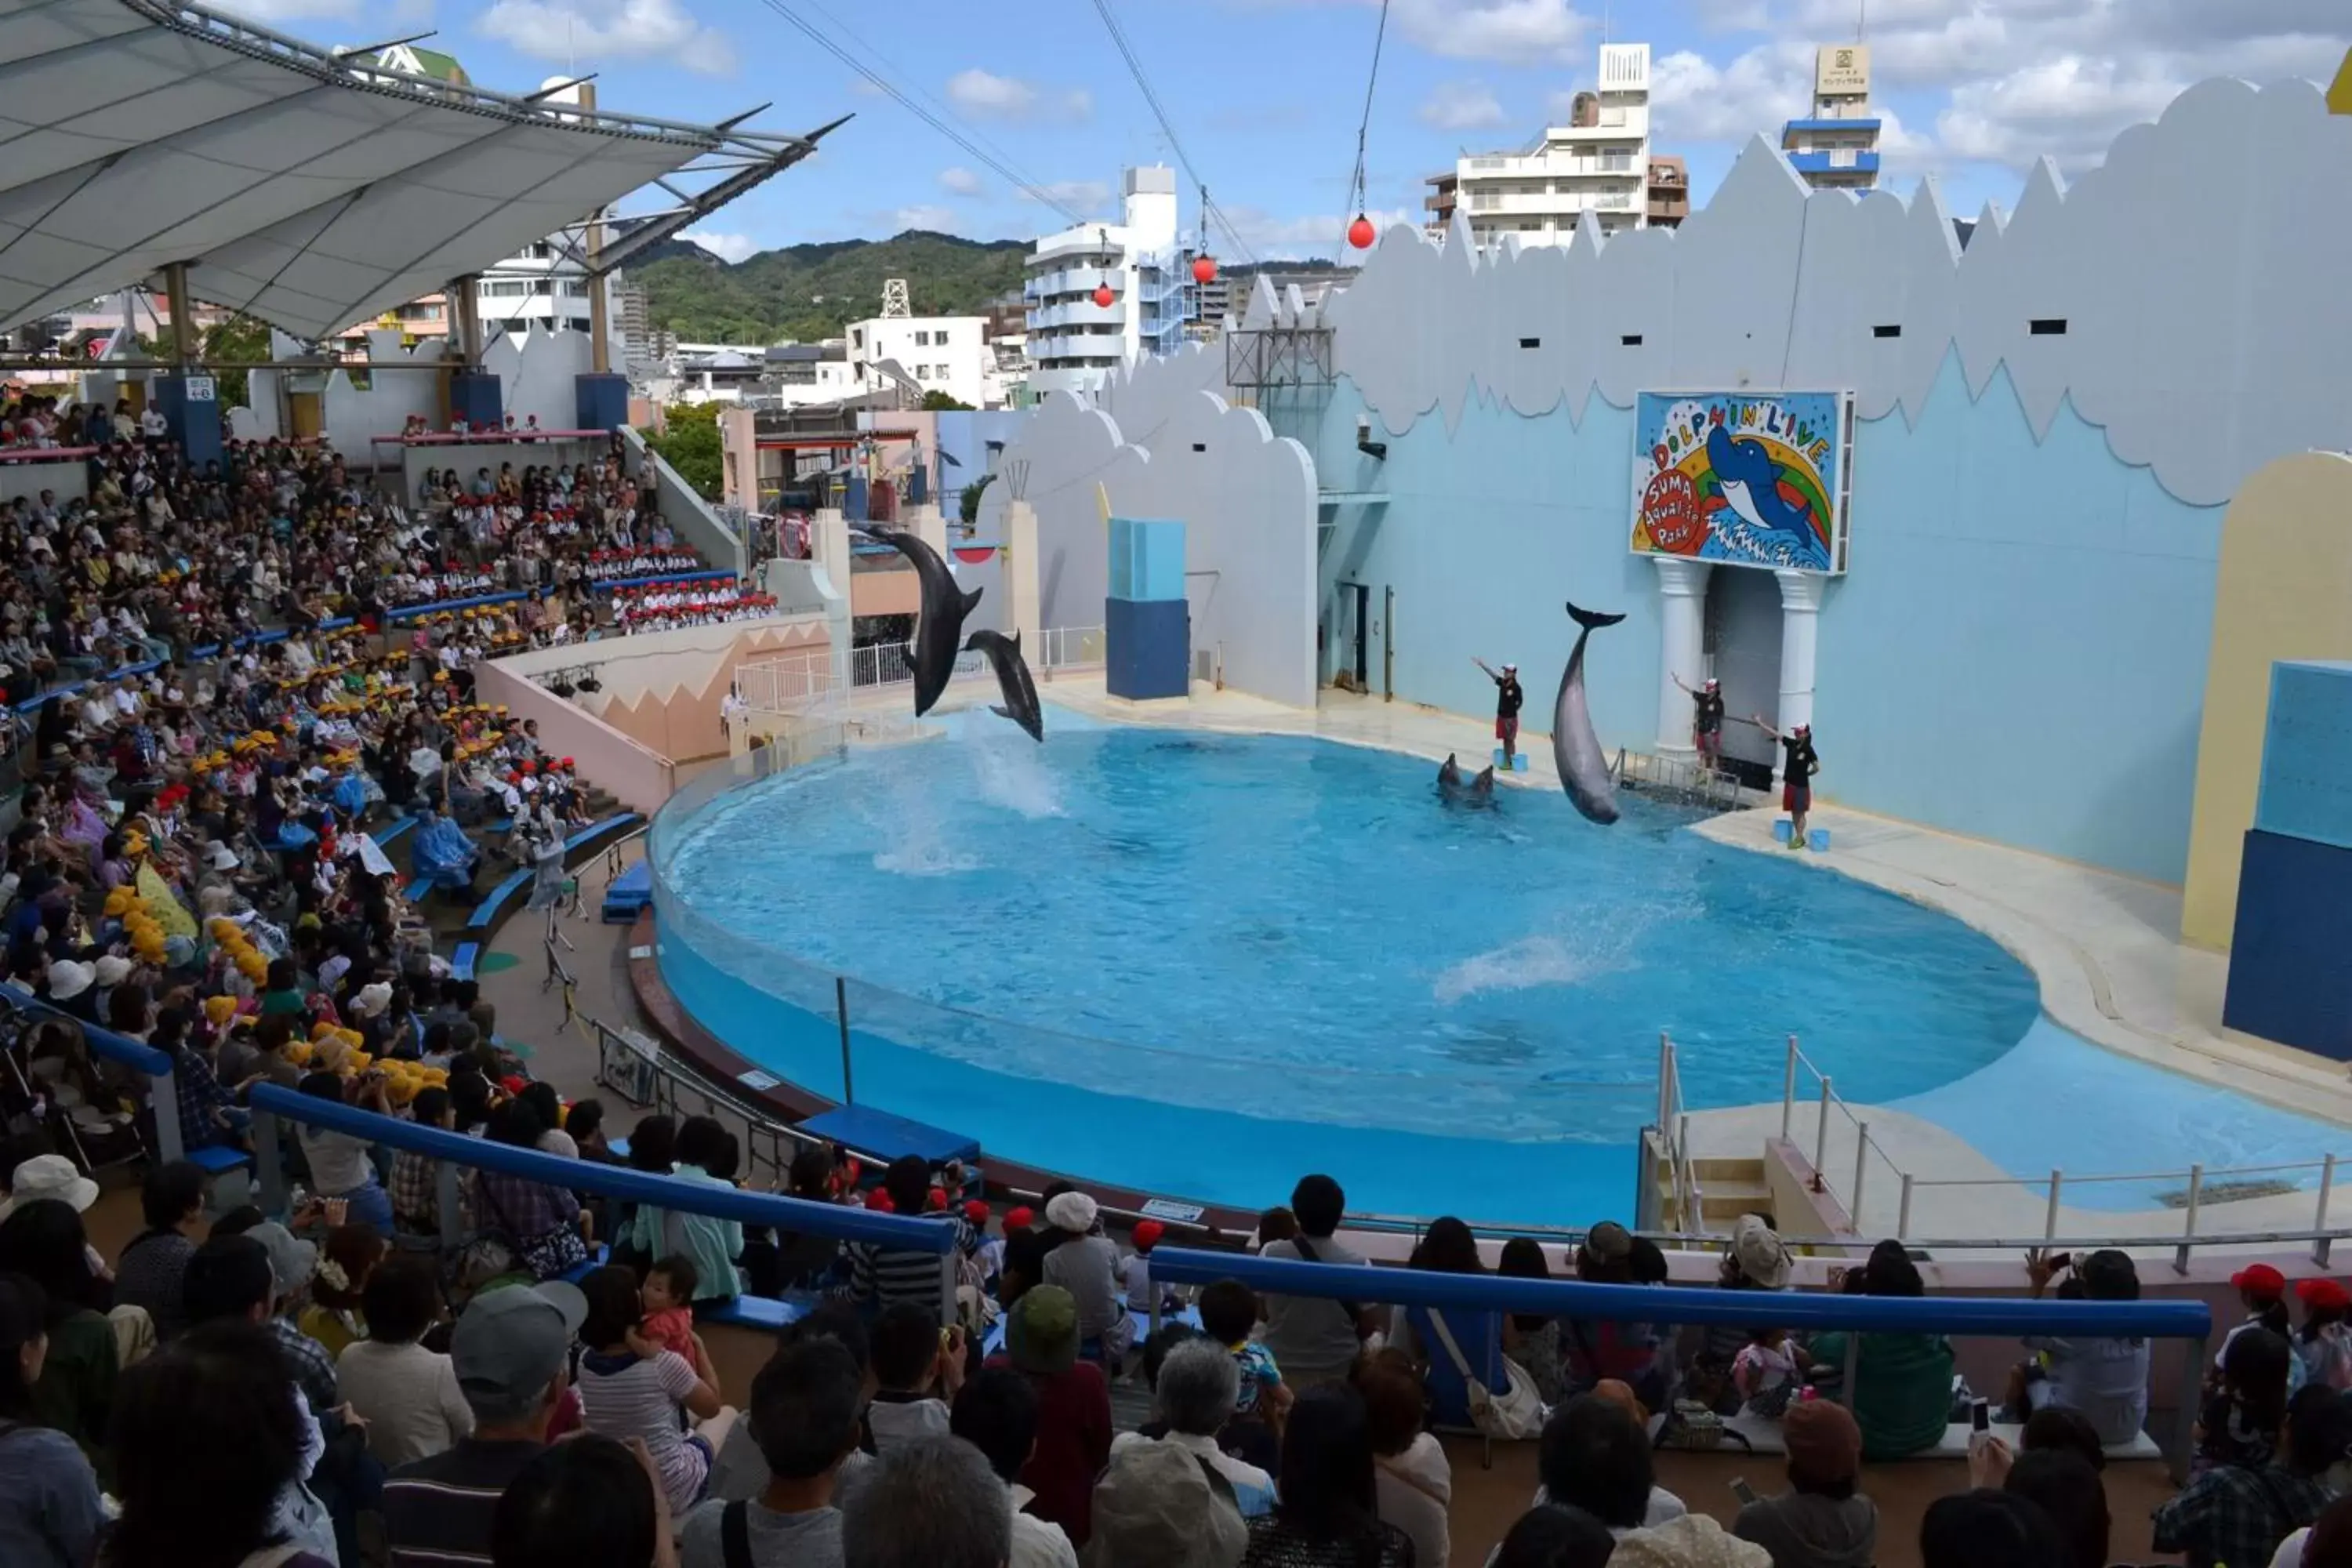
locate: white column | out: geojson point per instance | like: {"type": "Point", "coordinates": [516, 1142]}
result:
{"type": "Point", "coordinates": [1800, 624]}
{"type": "Point", "coordinates": [829, 551]}
{"type": "Point", "coordinates": [1682, 603]}
{"type": "Point", "coordinates": [1022, 589]}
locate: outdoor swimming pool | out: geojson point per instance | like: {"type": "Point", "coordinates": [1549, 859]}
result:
{"type": "Point", "coordinates": [1203, 964]}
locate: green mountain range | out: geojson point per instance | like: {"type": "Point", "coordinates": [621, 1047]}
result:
{"type": "Point", "coordinates": [806, 292]}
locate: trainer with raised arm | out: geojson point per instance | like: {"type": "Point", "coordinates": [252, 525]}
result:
{"type": "Point", "coordinates": [1507, 698]}
{"type": "Point", "coordinates": [1706, 721]}
{"type": "Point", "coordinates": [1796, 774]}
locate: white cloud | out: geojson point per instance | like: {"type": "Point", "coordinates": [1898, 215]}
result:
{"type": "Point", "coordinates": [1085, 195]}
{"type": "Point", "coordinates": [1516, 32]}
{"type": "Point", "coordinates": [961, 181]}
{"type": "Point", "coordinates": [1461, 106]}
{"type": "Point", "coordinates": [2068, 108]}
{"type": "Point", "coordinates": [590, 31]}
{"type": "Point", "coordinates": [726, 246]}
{"type": "Point", "coordinates": [1692, 99]}
{"type": "Point", "coordinates": [924, 216]}
{"type": "Point", "coordinates": [984, 95]}
{"type": "Point", "coordinates": [1282, 239]}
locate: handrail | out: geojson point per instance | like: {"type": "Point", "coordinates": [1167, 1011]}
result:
{"type": "Point", "coordinates": [121, 1049]}
{"type": "Point", "coordinates": [800, 1215]}
{"type": "Point", "coordinates": [2190, 1319]}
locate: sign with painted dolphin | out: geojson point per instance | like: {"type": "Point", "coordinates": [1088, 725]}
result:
{"type": "Point", "coordinates": [938, 623]}
{"type": "Point", "coordinates": [1575, 749]}
{"type": "Point", "coordinates": [1746, 479]}
{"type": "Point", "coordinates": [1013, 678]}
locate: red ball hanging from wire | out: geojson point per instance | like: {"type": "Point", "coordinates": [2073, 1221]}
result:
{"type": "Point", "coordinates": [1103, 296]}
{"type": "Point", "coordinates": [1360, 233]}
{"type": "Point", "coordinates": [1204, 269]}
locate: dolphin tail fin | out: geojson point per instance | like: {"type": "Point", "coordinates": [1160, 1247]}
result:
{"type": "Point", "coordinates": [1589, 619]}
{"type": "Point", "coordinates": [972, 602]}
{"type": "Point", "coordinates": [1002, 711]}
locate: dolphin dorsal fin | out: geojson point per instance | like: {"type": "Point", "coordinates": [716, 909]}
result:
{"type": "Point", "coordinates": [971, 601]}
{"type": "Point", "coordinates": [1016, 640]}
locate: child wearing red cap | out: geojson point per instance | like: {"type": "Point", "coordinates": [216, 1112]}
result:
{"type": "Point", "coordinates": [2263, 1290]}
{"type": "Point", "coordinates": [2324, 1344]}
{"type": "Point", "coordinates": [1135, 1269]}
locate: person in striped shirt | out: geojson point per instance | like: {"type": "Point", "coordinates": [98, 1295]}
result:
{"type": "Point", "coordinates": [882, 1278]}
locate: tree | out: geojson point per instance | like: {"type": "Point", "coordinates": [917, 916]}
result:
{"type": "Point", "coordinates": [691, 445]}
{"type": "Point", "coordinates": [968, 507]}
{"type": "Point", "coordinates": [239, 338]}
{"type": "Point", "coordinates": [942, 403]}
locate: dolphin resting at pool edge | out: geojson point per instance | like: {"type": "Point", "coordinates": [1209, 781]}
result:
{"type": "Point", "coordinates": [1452, 786]}
{"type": "Point", "coordinates": [1013, 678]}
{"type": "Point", "coordinates": [1575, 749]}
{"type": "Point", "coordinates": [938, 623]}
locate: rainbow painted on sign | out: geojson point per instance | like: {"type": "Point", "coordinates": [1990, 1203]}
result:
{"type": "Point", "coordinates": [1739, 478]}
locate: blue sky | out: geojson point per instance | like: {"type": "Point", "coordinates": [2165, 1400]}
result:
{"type": "Point", "coordinates": [1265, 94]}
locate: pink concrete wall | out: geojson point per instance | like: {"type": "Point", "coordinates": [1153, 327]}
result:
{"type": "Point", "coordinates": [632, 772]}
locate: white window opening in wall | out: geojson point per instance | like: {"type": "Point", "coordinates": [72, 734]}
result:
{"type": "Point", "coordinates": [1485, 201]}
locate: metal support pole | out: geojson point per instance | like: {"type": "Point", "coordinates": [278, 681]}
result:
{"type": "Point", "coordinates": [2319, 1222]}
{"type": "Point", "coordinates": [162, 1094]}
{"type": "Point", "coordinates": [465, 315]}
{"type": "Point", "coordinates": [1789, 1090]}
{"type": "Point", "coordinates": [947, 1290]}
{"type": "Point", "coordinates": [1852, 1368]}
{"type": "Point", "coordinates": [1861, 1164]}
{"type": "Point", "coordinates": [268, 1166]}
{"type": "Point", "coordinates": [2188, 1226]}
{"type": "Point", "coordinates": [600, 353]}
{"type": "Point", "coordinates": [1902, 1215]}
{"type": "Point", "coordinates": [184, 312]}
{"type": "Point", "coordinates": [448, 1198]}
{"type": "Point", "coordinates": [2050, 1217]}
{"type": "Point", "coordinates": [1666, 1066]}
{"type": "Point", "coordinates": [2183, 1447]}
{"type": "Point", "coordinates": [1821, 1137]}
{"type": "Point", "coordinates": [841, 1011]}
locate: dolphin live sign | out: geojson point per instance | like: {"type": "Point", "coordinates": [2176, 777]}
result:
{"type": "Point", "coordinates": [1744, 478]}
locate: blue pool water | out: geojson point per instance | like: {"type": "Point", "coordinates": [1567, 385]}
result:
{"type": "Point", "coordinates": [1239, 930]}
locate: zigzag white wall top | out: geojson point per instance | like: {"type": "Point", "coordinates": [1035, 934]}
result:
{"type": "Point", "coordinates": [2200, 273]}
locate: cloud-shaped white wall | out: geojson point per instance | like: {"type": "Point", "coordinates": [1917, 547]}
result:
{"type": "Point", "coordinates": [2199, 273]}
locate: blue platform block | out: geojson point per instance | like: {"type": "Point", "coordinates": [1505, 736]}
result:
{"type": "Point", "coordinates": [1146, 559]}
{"type": "Point", "coordinates": [1516, 763]}
{"type": "Point", "coordinates": [1147, 648]}
{"type": "Point", "coordinates": [190, 405]}
{"type": "Point", "coordinates": [2307, 785]}
{"type": "Point", "coordinates": [2289, 981]}
{"type": "Point", "coordinates": [601, 401]}
{"type": "Point", "coordinates": [474, 397]}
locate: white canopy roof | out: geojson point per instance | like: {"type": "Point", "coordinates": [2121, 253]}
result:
{"type": "Point", "coordinates": [308, 188]}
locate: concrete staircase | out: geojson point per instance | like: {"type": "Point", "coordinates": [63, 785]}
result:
{"type": "Point", "coordinates": [1727, 1188]}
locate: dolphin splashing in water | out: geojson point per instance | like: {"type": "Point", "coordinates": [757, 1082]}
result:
{"type": "Point", "coordinates": [1452, 786]}
{"type": "Point", "coordinates": [938, 623]}
{"type": "Point", "coordinates": [1013, 678]}
{"type": "Point", "coordinates": [1575, 749]}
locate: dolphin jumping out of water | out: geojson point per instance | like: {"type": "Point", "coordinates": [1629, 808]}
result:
{"type": "Point", "coordinates": [1575, 749]}
{"type": "Point", "coordinates": [939, 624]}
{"type": "Point", "coordinates": [1020, 703]}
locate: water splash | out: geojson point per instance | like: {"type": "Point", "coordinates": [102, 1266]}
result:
{"type": "Point", "coordinates": [913, 829]}
{"type": "Point", "coordinates": [928, 858]}
{"type": "Point", "coordinates": [1572, 953]}
{"type": "Point", "coordinates": [1008, 772]}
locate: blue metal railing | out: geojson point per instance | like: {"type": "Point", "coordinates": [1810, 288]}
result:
{"type": "Point", "coordinates": [2190, 1321]}
{"type": "Point", "coordinates": [270, 1104]}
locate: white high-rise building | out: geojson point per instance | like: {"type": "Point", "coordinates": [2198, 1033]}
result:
{"type": "Point", "coordinates": [939, 353]}
{"type": "Point", "coordinates": [1837, 147]}
{"type": "Point", "coordinates": [1597, 162]}
{"type": "Point", "coordinates": [1074, 342]}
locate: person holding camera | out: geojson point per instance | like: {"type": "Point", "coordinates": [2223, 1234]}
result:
{"type": "Point", "coordinates": [2105, 1379]}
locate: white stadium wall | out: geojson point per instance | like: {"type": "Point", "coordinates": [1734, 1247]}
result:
{"type": "Point", "coordinates": [537, 372]}
{"type": "Point", "coordinates": [2035, 506]}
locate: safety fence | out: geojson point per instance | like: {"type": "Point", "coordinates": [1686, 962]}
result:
{"type": "Point", "coordinates": [275, 1111]}
{"type": "Point", "coordinates": [2196, 1191]}
{"type": "Point", "coordinates": [2189, 1322]}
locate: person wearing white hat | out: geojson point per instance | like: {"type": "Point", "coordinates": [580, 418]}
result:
{"type": "Point", "coordinates": [1706, 721]}
{"type": "Point", "coordinates": [1085, 1262]}
{"type": "Point", "coordinates": [1797, 771]}
{"type": "Point", "coordinates": [69, 984]}
{"type": "Point", "coordinates": [1509, 697]}
{"type": "Point", "coordinates": [48, 1177]}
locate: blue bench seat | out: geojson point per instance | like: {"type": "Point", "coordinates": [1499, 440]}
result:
{"type": "Point", "coordinates": [486, 914]}
{"type": "Point", "coordinates": [757, 1312]}
{"type": "Point", "coordinates": [214, 1159]}
{"type": "Point", "coordinates": [461, 965]}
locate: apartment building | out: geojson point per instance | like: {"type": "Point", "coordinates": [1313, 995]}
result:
{"type": "Point", "coordinates": [1669, 191]}
{"type": "Point", "coordinates": [1074, 341]}
{"type": "Point", "coordinates": [1836, 146]}
{"type": "Point", "coordinates": [941, 353]}
{"type": "Point", "coordinates": [1598, 163]}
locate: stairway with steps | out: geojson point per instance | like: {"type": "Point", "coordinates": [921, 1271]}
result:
{"type": "Point", "coordinates": [1727, 1188]}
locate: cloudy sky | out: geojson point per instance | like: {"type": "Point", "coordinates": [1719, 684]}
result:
{"type": "Point", "coordinates": [1265, 95]}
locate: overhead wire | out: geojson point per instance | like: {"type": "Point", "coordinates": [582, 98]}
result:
{"type": "Point", "coordinates": [1357, 195]}
{"type": "Point", "coordinates": [1001, 167]}
{"type": "Point", "coordinates": [1167, 126]}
